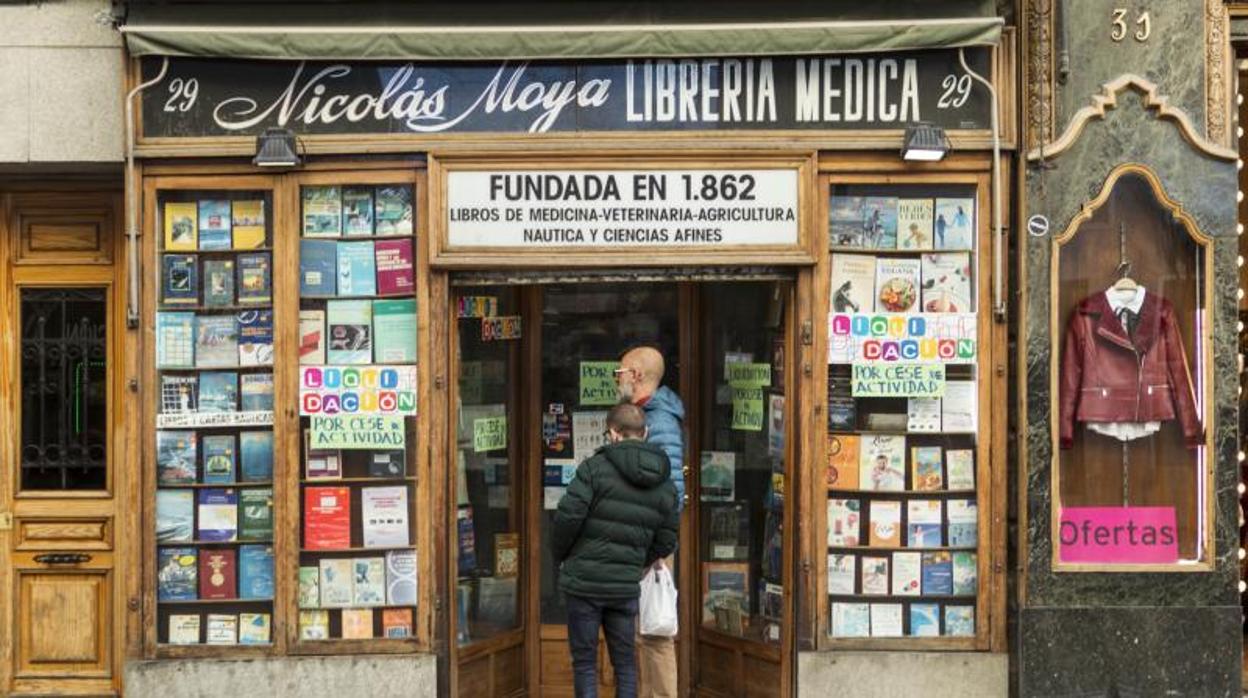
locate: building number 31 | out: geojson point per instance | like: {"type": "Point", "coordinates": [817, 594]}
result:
{"type": "Point", "coordinates": [1118, 30]}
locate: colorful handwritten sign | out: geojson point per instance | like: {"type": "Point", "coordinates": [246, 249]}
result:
{"type": "Point", "coordinates": [478, 306]}
{"type": "Point", "coordinates": [489, 434]}
{"type": "Point", "coordinates": [898, 380]}
{"type": "Point", "coordinates": [357, 432]}
{"type": "Point", "coordinates": [598, 383]}
{"type": "Point", "coordinates": [902, 337]}
{"type": "Point", "coordinates": [1118, 535]}
{"type": "Point", "coordinates": [379, 389]}
{"type": "Point", "coordinates": [747, 409]}
{"type": "Point", "coordinates": [494, 329]}
{"type": "Point", "coordinates": [744, 375]}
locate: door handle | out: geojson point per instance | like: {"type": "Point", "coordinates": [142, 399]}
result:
{"type": "Point", "coordinates": [62, 558]}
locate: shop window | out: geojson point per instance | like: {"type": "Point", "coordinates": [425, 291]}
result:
{"type": "Point", "coordinates": [1130, 311]}
{"type": "Point", "coordinates": [64, 389]}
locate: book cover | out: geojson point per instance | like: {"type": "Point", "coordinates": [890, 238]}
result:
{"type": "Point", "coordinates": [179, 279]}
{"type": "Point", "coordinates": [256, 392]}
{"type": "Point", "coordinates": [255, 278]}
{"type": "Point", "coordinates": [846, 223]}
{"type": "Point", "coordinates": [886, 620]}
{"type": "Point", "coordinates": [727, 531]}
{"type": "Point", "coordinates": [175, 340]}
{"type": "Point", "coordinates": [248, 224]}
{"type": "Point", "coordinates": [395, 267]}
{"type": "Point", "coordinates": [957, 408]}
{"type": "Point", "coordinates": [921, 535]}
{"type": "Point", "coordinates": [322, 211]}
{"type": "Point", "coordinates": [218, 391]}
{"type": "Point", "coordinates": [318, 267]}
{"type": "Point", "coordinates": [842, 414]}
{"type": "Point", "coordinates": [401, 577]}
{"type": "Point", "coordinates": [925, 620]}
{"type": "Point", "coordinates": [181, 232]}
{"type": "Point", "coordinates": [851, 620]}
{"type": "Point", "coordinates": [175, 516]}
{"type": "Point", "coordinates": [327, 518]}
{"type": "Point", "coordinates": [947, 283]}
{"type": "Point", "coordinates": [255, 513]}
{"type": "Point", "coordinates": [336, 582]}
{"type": "Point", "coordinates": [220, 459]}
{"type": "Point", "coordinates": [214, 224]}
{"type": "Point", "coordinates": [726, 586]}
{"type": "Point", "coordinates": [914, 224]}
{"type": "Point", "coordinates": [880, 222]}
{"type": "Point", "coordinates": [357, 268]}
{"type": "Point", "coordinates": [216, 343]}
{"type": "Point", "coordinates": [897, 285]}
{"type": "Point", "coordinates": [368, 587]}
{"type": "Point", "coordinates": [961, 465]}
{"type": "Point", "coordinates": [357, 211]}
{"type": "Point", "coordinates": [393, 210]}
{"type": "Point", "coordinates": [954, 224]}
{"type": "Point", "coordinates": [963, 535]}
{"type": "Point", "coordinates": [177, 574]}
{"type": "Point", "coordinates": [718, 476]}
{"type": "Point", "coordinates": [853, 283]}
{"type": "Point", "coordinates": [184, 629]}
{"type": "Point", "coordinates": [312, 337]}
{"type": "Point", "coordinates": [874, 575]}
{"type": "Point", "coordinates": [256, 455]}
{"type": "Point", "coordinates": [255, 571]}
{"type": "Point", "coordinates": [960, 621]}
{"type": "Point", "coordinates": [844, 522]}
{"type": "Point", "coordinates": [842, 573]}
{"type": "Point", "coordinates": [222, 629]}
{"type": "Point", "coordinates": [255, 338]}
{"type": "Point", "coordinates": [357, 623]}
{"type": "Point", "coordinates": [218, 515]}
{"type": "Point", "coordinates": [176, 457]}
{"type": "Point", "coordinates": [217, 574]}
{"type": "Point", "coordinates": [466, 540]}
{"type": "Point", "coordinates": [309, 587]}
{"type": "Point", "coordinates": [925, 511]}
{"type": "Point", "coordinates": [386, 464]}
{"type": "Point", "coordinates": [842, 470]}
{"type": "Point", "coordinates": [882, 462]}
{"type": "Point", "coordinates": [323, 465]}
{"type": "Point", "coordinates": [506, 554]}
{"type": "Point", "coordinates": [350, 332]}
{"type": "Point", "coordinates": [314, 625]}
{"type": "Point", "coordinates": [925, 469]}
{"type": "Point", "coordinates": [923, 415]}
{"type": "Point", "coordinates": [396, 623]}
{"type": "Point", "coordinates": [179, 394]}
{"type": "Point", "coordinates": [963, 511]}
{"type": "Point", "coordinates": [937, 573]}
{"type": "Point", "coordinates": [253, 628]}
{"type": "Point", "coordinates": [384, 516]}
{"type": "Point", "coordinates": [965, 573]}
{"type": "Point", "coordinates": [218, 283]}
{"type": "Point", "coordinates": [885, 523]}
{"type": "Point", "coordinates": [394, 331]}
{"type": "Point", "coordinates": [907, 568]}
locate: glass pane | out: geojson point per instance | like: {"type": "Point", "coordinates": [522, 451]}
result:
{"type": "Point", "coordinates": [903, 414]}
{"type": "Point", "coordinates": [489, 462]}
{"type": "Point", "coordinates": [1132, 320]}
{"type": "Point", "coordinates": [64, 389]}
{"type": "Point", "coordinates": [742, 475]}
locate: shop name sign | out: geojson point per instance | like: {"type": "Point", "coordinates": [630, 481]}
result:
{"type": "Point", "coordinates": [1118, 535]}
{"type": "Point", "coordinates": [213, 97]}
{"type": "Point", "coordinates": [621, 208]}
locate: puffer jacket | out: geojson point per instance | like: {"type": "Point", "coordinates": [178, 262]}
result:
{"type": "Point", "coordinates": [1108, 376]}
{"type": "Point", "coordinates": [665, 414]}
{"type": "Point", "coordinates": [618, 516]}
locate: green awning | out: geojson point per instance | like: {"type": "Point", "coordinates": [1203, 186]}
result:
{"type": "Point", "coordinates": [467, 30]}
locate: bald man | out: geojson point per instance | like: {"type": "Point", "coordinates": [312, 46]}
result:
{"type": "Point", "coordinates": [639, 381]}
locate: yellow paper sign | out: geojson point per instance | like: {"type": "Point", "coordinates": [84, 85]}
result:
{"type": "Point", "coordinates": [598, 383]}
{"type": "Point", "coordinates": [743, 375]}
{"type": "Point", "coordinates": [747, 409]}
{"type": "Point", "coordinates": [489, 434]}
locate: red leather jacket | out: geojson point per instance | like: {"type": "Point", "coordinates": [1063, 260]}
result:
{"type": "Point", "coordinates": [1108, 377]}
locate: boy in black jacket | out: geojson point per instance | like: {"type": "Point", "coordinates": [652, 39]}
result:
{"type": "Point", "coordinates": [618, 516]}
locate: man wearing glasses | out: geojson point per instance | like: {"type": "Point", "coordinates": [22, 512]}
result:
{"type": "Point", "coordinates": [638, 381]}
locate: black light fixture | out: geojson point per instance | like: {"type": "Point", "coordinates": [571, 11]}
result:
{"type": "Point", "coordinates": [276, 147]}
{"type": "Point", "coordinates": [924, 142]}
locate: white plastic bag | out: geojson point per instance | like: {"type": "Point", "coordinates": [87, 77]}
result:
{"type": "Point", "coordinates": [658, 603]}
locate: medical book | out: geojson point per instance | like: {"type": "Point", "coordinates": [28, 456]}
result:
{"type": "Point", "coordinates": [384, 516]}
{"type": "Point", "coordinates": [357, 211]}
{"type": "Point", "coordinates": [357, 268]}
{"type": "Point", "coordinates": [368, 587]}
{"type": "Point", "coordinates": [350, 332]}
{"type": "Point", "coordinates": [318, 267]}
{"type": "Point", "coordinates": [395, 268]}
{"type": "Point", "coordinates": [394, 331]}
{"type": "Point", "coordinates": [326, 518]}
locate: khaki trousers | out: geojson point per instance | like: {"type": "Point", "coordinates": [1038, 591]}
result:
{"type": "Point", "coordinates": [656, 662]}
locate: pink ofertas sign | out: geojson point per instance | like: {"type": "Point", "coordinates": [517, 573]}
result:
{"type": "Point", "coordinates": [1119, 535]}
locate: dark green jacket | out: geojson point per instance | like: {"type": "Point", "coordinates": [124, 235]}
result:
{"type": "Point", "coordinates": [618, 515]}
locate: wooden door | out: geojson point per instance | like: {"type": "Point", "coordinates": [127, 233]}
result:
{"type": "Point", "coordinates": [60, 617]}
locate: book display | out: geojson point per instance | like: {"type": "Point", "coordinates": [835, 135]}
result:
{"type": "Point", "coordinates": [902, 443]}
{"type": "Point", "coordinates": [213, 455]}
{"type": "Point", "coordinates": [357, 561]}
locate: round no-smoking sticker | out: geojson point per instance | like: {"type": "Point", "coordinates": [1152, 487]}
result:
{"type": "Point", "coordinates": [1038, 226]}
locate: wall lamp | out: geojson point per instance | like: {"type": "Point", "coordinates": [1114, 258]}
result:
{"type": "Point", "coordinates": [276, 147]}
{"type": "Point", "coordinates": [924, 142]}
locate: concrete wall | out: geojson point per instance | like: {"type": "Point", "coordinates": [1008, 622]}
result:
{"type": "Point", "coordinates": [373, 676]}
{"type": "Point", "coordinates": [892, 674]}
{"type": "Point", "coordinates": [61, 83]}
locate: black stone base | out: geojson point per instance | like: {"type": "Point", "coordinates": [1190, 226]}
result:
{"type": "Point", "coordinates": [1129, 652]}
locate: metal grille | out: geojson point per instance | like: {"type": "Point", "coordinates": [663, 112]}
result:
{"type": "Point", "coordinates": [64, 391]}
